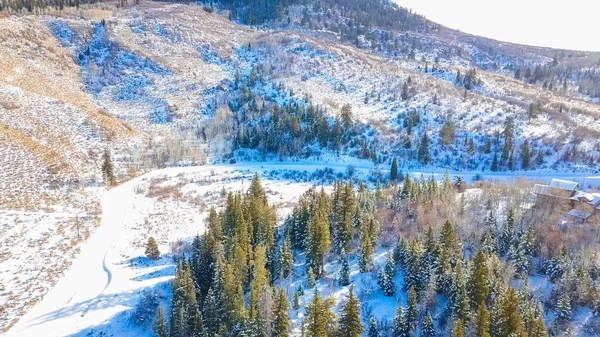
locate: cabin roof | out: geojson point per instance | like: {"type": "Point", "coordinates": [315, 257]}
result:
{"type": "Point", "coordinates": [564, 184]}
{"type": "Point", "coordinates": [579, 213]}
{"type": "Point", "coordinates": [590, 198]}
{"type": "Point", "coordinates": [541, 189]}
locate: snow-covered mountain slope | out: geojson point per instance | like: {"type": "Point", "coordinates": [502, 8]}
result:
{"type": "Point", "coordinates": [158, 83]}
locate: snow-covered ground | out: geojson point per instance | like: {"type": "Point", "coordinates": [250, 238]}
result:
{"type": "Point", "coordinates": [107, 279]}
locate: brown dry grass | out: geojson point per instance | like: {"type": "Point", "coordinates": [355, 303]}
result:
{"type": "Point", "coordinates": [54, 161]}
{"type": "Point", "coordinates": [33, 60]}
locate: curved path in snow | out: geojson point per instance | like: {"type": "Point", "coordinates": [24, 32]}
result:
{"type": "Point", "coordinates": [78, 299]}
{"type": "Point", "coordinates": [85, 295]}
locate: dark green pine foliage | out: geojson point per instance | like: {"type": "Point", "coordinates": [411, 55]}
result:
{"type": "Point", "coordinates": [373, 332]}
{"type": "Point", "coordinates": [525, 155]}
{"type": "Point", "coordinates": [160, 324]}
{"type": "Point", "coordinates": [387, 282]}
{"type": "Point", "coordinates": [563, 310]}
{"type": "Point", "coordinates": [186, 319]}
{"type": "Point", "coordinates": [152, 251]}
{"type": "Point", "coordinates": [350, 324]}
{"type": "Point", "coordinates": [494, 165]}
{"type": "Point", "coordinates": [344, 212]}
{"type": "Point", "coordinates": [423, 155]}
{"type": "Point", "coordinates": [212, 314]}
{"type": "Point", "coordinates": [400, 327]}
{"type": "Point", "coordinates": [320, 321]}
{"type": "Point", "coordinates": [413, 276]}
{"type": "Point", "coordinates": [281, 325]}
{"type": "Point", "coordinates": [286, 259]}
{"type": "Point", "coordinates": [506, 241]}
{"type": "Point", "coordinates": [394, 171]}
{"type": "Point", "coordinates": [478, 283]}
{"type": "Point", "coordinates": [429, 256]}
{"type": "Point", "coordinates": [428, 329]}
{"type": "Point", "coordinates": [367, 242]}
{"type": "Point", "coordinates": [482, 321]}
{"type": "Point", "coordinates": [318, 238]}
{"type": "Point", "coordinates": [296, 303]}
{"type": "Point", "coordinates": [410, 317]}
{"type": "Point", "coordinates": [459, 301]}
{"type": "Point", "coordinates": [203, 262]}
{"type": "Point", "coordinates": [344, 278]}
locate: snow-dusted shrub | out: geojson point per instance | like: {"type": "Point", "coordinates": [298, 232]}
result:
{"type": "Point", "coordinates": [145, 310]}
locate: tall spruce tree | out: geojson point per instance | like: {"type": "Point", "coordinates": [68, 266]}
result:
{"type": "Point", "coordinates": [423, 155]}
{"type": "Point", "coordinates": [400, 327]}
{"type": "Point", "coordinates": [286, 259]}
{"type": "Point", "coordinates": [394, 171]}
{"type": "Point", "coordinates": [482, 321]}
{"type": "Point", "coordinates": [320, 321]}
{"type": "Point", "coordinates": [350, 324]}
{"type": "Point", "coordinates": [344, 278]}
{"type": "Point", "coordinates": [478, 283]}
{"type": "Point", "coordinates": [508, 321]}
{"type": "Point", "coordinates": [367, 242]}
{"type": "Point", "coordinates": [160, 324]}
{"type": "Point", "coordinates": [108, 169]}
{"type": "Point", "coordinates": [428, 329]}
{"type": "Point", "coordinates": [152, 251]}
{"type": "Point", "coordinates": [459, 328]}
{"type": "Point", "coordinates": [318, 241]}
{"type": "Point", "coordinates": [281, 326]}
{"type": "Point", "coordinates": [186, 319]}
{"type": "Point", "coordinates": [410, 318]}
{"type": "Point", "coordinates": [373, 331]}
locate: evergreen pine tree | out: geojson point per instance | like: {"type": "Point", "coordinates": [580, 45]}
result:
{"type": "Point", "coordinates": [318, 241]}
{"type": "Point", "coordinates": [410, 318]}
{"type": "Point", "coordinates": [344, 278]}
{"type": "Point", "coordinates": [160, 324]}
{"type": "Point", "coordinates": [428, 327]}
{"type": "Point", "coordinates": [368, 240]}
{"type": "Point", "coordinates": [494, 165]}
{"type": "Point", "coordinates": [258, 287]}
{"type": "Point", "coordinates": [539, 158]}
{"type": "Point", "coordinates": [211, 313]}
{"type": "Point", "coordinates": [350, 324]}
{"type": "Point", "coordinates": [281, 326]}
{"type": "Point", "coordinates": [394, 171]}
{"type": "Point", "coordinates": [459, 301]}
{"type": "Point", "coordinates": [234, 310]}
{"type": "Point", "coordinates": [296, 303]}
{"type": "Point", "coordinates": [482, 321]}
{"type": "Point", "coordinates": [185, 317]}
{"type": "Point", "coordinates": [459, 329]}
{"type": "Point", "coordinates": [399, 324]}
{"type": "Point", "coordinates": [478, 283]}
{"type": "Point", "coordinates": [423, 156]}
{"type": "Point", "coordinates": [525, 154]}
{"type": "Point", "coordinates": [152, 251]}
{"type": "Point", "coordinates": [311, 277]}
{"type": "Point", "coordinates": [373, 332]}
{"type": "Point", "coordinates": [108, 169]}
{"type": "Point", "coordinates": [508, 320]}
{"type": "Point", "coordinates": [286, 259]}
{"type": "Point", "coordinates": [388, 283]}
{"type": "Point", "coordinates": [450, 241]}
{"type": "Point", "coordinates": [404, 94]}
{"type": "Point", "coordinates": [563, 310]}
{"type": "Point", "coordinates": [320, 321]}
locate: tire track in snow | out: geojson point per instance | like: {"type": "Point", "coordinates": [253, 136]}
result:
{"type": "Point", "coordinates": [107, 270]}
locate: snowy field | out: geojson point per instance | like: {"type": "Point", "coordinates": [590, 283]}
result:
{"type": "Point", "coordinates": [100, 290]}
